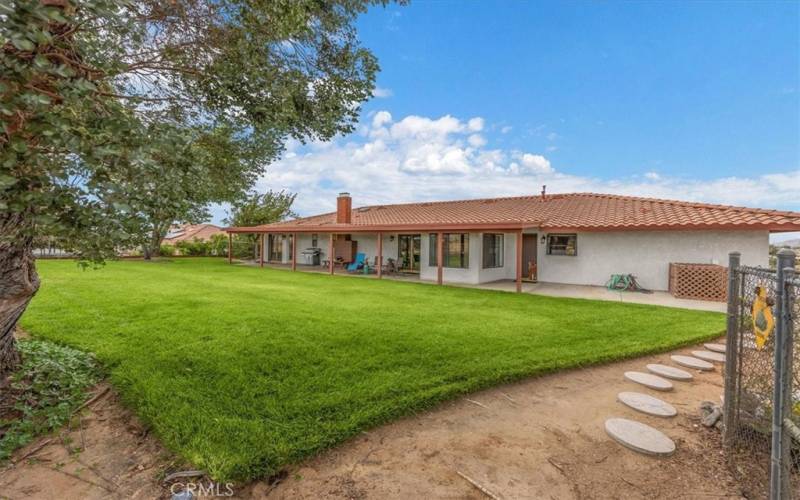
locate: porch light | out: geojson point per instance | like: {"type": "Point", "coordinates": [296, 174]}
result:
{"type": "Point", "coordinates": [544, 239]}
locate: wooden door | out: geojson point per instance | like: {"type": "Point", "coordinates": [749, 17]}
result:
{"type": "Point", "coordinates": [529, 252]}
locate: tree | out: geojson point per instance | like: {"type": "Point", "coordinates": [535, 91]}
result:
{"type": "Point", "coordinates": [257, 209]}
{"type": "Point", "coordinates": [190, 168]}
{"type": "Point", "coordinates": [82, 80]}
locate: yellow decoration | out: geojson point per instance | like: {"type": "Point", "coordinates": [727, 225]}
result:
{"type": "Point", "coordinates": [763, 321]}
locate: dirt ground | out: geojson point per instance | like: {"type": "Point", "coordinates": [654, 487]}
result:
{"type": "Point", "coordinates": [539, 438]}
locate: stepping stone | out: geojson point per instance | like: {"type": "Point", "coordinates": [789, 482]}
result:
{"type": "Point", "coordinates": [690, 362]}
{"type": "Point", "coordinates": [709, 356]}
{"type": "Point", "coordinates": [647, 404]}
{"type": "Point", "coordinates": [649, 380]}
{"type": "Point", "coordinates": [639, 437]}
{"type": "Point", "coordinates": [670, 372]}
{"type": "Point", "coordinates": [715, 347]}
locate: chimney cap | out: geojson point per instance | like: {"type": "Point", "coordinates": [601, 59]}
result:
{"type": "Point", "coordinates": [342, 194]}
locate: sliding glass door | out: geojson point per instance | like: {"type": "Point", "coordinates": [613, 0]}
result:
{"type": "Point", "coordinates": [408, 252]}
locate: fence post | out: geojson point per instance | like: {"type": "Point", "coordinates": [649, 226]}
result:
{"type": "Point", "coordinates": [731, 349]}
{"type": "Point", "coordinates": [781, 449]}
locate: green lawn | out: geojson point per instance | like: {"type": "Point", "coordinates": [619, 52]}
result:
{"type": "Point", "coordinates": [243, 370]}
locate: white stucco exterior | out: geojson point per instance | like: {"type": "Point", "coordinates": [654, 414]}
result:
{"type": "Point", "coordinates": [645, 254]}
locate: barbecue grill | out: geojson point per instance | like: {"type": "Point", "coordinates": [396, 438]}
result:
{"type": "Point", "coordinates": [311, 255]}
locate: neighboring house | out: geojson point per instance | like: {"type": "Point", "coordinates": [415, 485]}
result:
{"type": "Point", "coordinates": [190, 232]}
{"type": "Point", "coordinates": [577, 238]}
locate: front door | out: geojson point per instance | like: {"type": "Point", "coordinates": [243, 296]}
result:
{"type": "Point", "coordinates": [529, 269]}
{"type": "Point", "coordinates": [408, 251]}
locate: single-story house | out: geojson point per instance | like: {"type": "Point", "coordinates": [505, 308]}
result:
{"type": "Point", "coordinates": [575, 238]}
{"type": "Point", "coordinates": [190, 232]}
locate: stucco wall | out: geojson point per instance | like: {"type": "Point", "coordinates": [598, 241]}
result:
{"type": "Point", "coordinates": [367, 244]}
{"type": "Point", "coordinates": [647, 255]}
{"type": "Point", "coordinates": [474, 273]}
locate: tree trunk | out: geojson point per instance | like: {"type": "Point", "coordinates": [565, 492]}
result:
{"type": "Point", "coordinates": [18, 283]}
{"type": "Point", "coordinates": [153, 246]}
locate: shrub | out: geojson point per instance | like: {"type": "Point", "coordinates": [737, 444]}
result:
{"type": "Point", "coordinates": [52, 382]}
{"type": "Point", "coordinates": [166, 250]}
{"type": "Point", "coordinates": [218, 244]}
{"type": "Point", "coordinates": [195, 248]}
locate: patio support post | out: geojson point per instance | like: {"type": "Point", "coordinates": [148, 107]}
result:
{"type": "Point", "coordinates": [294, 251]}
{"type": "Point", "coordinates": [519, 261]}
{"type": "Point", "coordinates": [230, 248]}
{"type": "Point", "coordinates": [439, 257]}
{"type": "Point", "coordinates": [380, 255]}
{"type": "Point", "coordinates": [330, 254]}
{"type": "Point", "coordinates": [261, 253]}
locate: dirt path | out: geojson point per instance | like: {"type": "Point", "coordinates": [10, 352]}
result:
{"type": "Point", "coordinates": [541, 438]}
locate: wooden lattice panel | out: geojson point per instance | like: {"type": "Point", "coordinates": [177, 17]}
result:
{"type": "Point", "coordinates": [698, 281]}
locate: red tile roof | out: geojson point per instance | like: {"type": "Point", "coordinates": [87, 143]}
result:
{"type": "Point", "coordinates": [574, 211]}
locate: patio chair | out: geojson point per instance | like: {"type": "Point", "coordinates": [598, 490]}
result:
{"type": "Point", "coordinates": [357, 264]}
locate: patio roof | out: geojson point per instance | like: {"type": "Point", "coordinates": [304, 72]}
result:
{"type": "Point", "coordinates": [553, 212]}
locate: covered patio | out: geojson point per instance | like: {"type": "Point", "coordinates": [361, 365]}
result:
{"type": "Point", "coordinates": [417, 254]}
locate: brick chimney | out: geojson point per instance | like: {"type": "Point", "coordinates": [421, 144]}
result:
{"type": "Point", "coordinates": [344, 207]}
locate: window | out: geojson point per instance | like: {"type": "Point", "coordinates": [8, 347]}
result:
{"type": "Point", "coordinates": [562, 244]}
{"type": "Point", "coordinates": [456, 250]}
{"type": "Point", "coordinates": [492, 250]}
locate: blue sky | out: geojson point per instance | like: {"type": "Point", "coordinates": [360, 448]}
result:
{"type": "Point", "coordinates": [688, 100]}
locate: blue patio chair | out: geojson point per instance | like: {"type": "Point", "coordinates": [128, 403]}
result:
{"type": "Point", "coordinates": [358, 263]}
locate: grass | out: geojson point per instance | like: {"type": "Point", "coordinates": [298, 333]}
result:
{"type": "Point", "coordinates": [243, 370]}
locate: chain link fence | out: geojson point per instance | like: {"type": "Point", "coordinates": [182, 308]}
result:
{"type": "Point", "coordinates": [762, 380]}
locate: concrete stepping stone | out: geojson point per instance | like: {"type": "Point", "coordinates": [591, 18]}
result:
{"type": "Point", "coordinates": [647, 404]}
{"type": "Point", "coordinates": [709, 356]}
{"type": "Point", "coordinates": [715, 347]}
{"type": "Point", "coordinates": [690, 362]}
{"type": "Point", "coordinates": [649, 380]}
{"type": "Point", "coordinates": [639, 437]}
{"type": "Point", "coordinates": [667, 371]}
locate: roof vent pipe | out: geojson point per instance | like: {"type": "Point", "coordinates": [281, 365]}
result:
{"type": "Point", "coordinates": [544, 190]}
{"type": "Point", "coordinates": [344, 207]}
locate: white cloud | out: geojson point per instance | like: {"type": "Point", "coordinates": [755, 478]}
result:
{"type": "Point", "coordinates": [420, 127]}
{"type": "Point", "coordinates": [506, 129]}
{"type": "Point", "coordinates": [381, 118]}
{"type": "Point", "coordinates": [536, 164]}
{"type": "Point", "coordinates": [420, 158]}
{"type": "Point", "coordinates": [475, 124]}
{"type": "Point", "coordinates": [381, 92]}
{"type": "Point", "coordinates": [476, 140]}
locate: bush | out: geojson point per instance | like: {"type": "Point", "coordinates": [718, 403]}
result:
{"type": "Point", "coordinates": [52, 382]}
{"type": "Point", "coordinates": [195, 248]}
{"type": "Point", "coordinates": [166, 250]}
{"type": "Point", "coordinates": [218, 244]}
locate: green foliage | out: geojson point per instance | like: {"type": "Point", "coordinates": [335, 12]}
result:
{"type": "Point", "coordinates": [166, 250]}
{"type": "Point", "coordinates": [218, 245]}
{"type": "Point", "coordinates": [195, 247]}
{"type": "Point", "coordinates": [244, 370]}
{"type": "Point", "coordinates": [50, 385]}
{"type": "Point", "coordinates": [256, 209]}
{"type": "Point", "coordinates": [114, 108]}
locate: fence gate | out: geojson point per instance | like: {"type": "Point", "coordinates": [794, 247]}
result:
{"type": "Point", "coordinates": [762, 378]}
